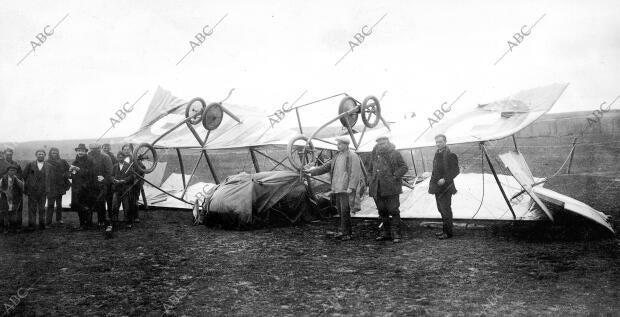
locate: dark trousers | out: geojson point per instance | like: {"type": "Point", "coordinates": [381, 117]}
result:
{"type": "Point", "coordinates": [16, 217]}
{"type": "Point", "coordinates": [51, 203]}
{"type": "Point", "coordinates": [36, 204]}
{"type": "Point", "coordinates": [136, 198]}
{"type": "Point", "coordinates": [4, 219]}
{"type": "Point", "coordinates": [388, 206]}
{"type": "Point", "coordinates": [131, 211]}
{"type": "Point", "coordinates": [444, 205]}
{"type": "Point", "coordinates": [342, 204]}
{"type": "Point", "coordinates": [99, 201]}
{"type": "Point", "coordinates": [118, 200]}
{"type": "Point", "coordinates": [10, 219]}
{"type": "Point", "coordinates": [80, 205]}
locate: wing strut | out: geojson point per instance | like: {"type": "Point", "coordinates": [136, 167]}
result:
{"type": "Point", "coordinates": [254, 161]}
{"type": "Point", "coordinates": [486, 155]}
{"type": "Point", "coordinates": [182, 169]}
{"type": "Point", "coordinates": [192, 175]}
{"type": "Point", "coordinates": [204, 152]}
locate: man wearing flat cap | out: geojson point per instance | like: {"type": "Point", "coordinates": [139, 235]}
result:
{"type": "Point", "coordinates": [387, 167]}
{"type": "Point", "coordinates": [346, 178]}
{"type": "Point", "coordinates": [445, 169]}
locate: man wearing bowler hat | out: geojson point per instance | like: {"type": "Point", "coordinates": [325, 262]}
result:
{"type": "Point", "coordinates": [346, 177]}
{"type": "Point", "coordinates": [387, 167]}
{"type": "Point", "coordinates": [81, 175]}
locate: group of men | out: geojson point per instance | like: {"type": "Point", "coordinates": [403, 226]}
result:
{"type": "Point", "coordinates": [100, 182]}
{"type": "Point", "coordinates": [384, 179]}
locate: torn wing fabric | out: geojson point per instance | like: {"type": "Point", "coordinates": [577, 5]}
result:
{"type": "Point", "coordinates": [166, 111]}
{"type": "Point", "coordinates": [515, 162]}
{"type": "Point", "coordinates": [161, 104]}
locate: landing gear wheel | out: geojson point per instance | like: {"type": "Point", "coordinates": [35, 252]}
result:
{"type": "Point", "coordinates": [196, 105]}
{"type": "Point", "coordinates": [346, 104]}
{"type": "Point", "coordinates": [145, 158]}
{"type": "Point", "coordinates": [302, 153]}
{"type": "Point", "coordinates": [371, 107]}
{"type": "Point", "coordinates": [212, 116]}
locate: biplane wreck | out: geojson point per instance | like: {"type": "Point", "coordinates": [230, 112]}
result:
{"type": "Point", "coordinates": [281, 188]}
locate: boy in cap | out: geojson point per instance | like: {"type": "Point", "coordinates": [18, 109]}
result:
{"type": "Point", "coordinates": [346, 177]}
{"type": "Point", "coordinates": [34, 176]}
{"type": "Point", "coordinates": [387, 167]}
{"type": "Point", "coordinates": [11, 193]}
{"type": "Point", "coordinates": [8, 160]}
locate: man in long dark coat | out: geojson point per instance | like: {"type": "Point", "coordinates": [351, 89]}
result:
{"type": "Point", "coordinates": [81, 180]}
{"type": "Point", "coordinates": [122, 180]}
{"type": "Point", "coordinates": [102, 170]}
{"type": "Point", "coordinates": [34, 176]}
{"type": "Point", "coordinates": [132, 214]}
{"type": "Point", "coordinates": [106, 149]}
{"type": "Point", "coordinates": [445, 169]}
{"type": "Point", "coordinates": [387, 168]}
{"type": "Point", "coordinates": [56, 184]}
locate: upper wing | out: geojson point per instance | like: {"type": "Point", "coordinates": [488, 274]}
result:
{"type": "Point", "coordinates": [491, 121]}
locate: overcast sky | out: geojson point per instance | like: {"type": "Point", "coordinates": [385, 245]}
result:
{"type": "Point", "coordinates": [420, 54]}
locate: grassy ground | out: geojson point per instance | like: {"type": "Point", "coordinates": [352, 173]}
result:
{"type": "Point", "coordinates": [164, 263]}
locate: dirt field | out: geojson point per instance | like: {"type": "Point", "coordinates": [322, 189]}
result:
{"type": "Point", "coordinates": [165, 263]}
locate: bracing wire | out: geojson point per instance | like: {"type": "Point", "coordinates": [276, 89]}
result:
{"type": "Point", "coordinates": [481, 172]}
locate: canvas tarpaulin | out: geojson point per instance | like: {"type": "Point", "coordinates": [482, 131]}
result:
{"type": "Point", "coordinates": [247, 200]}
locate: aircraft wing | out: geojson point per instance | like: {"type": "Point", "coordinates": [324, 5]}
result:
{"type": "Point", "coordinates": [521, 172]}
{"type": "Point", "coordinates": [165, 111]}
{"type": "Point", "coordinates": [492, 121]}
